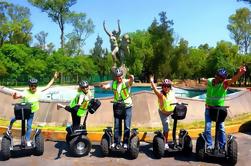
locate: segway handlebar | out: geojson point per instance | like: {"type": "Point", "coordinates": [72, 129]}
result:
{"type": "Point", "coordinates": [178, 104]}
{"type": "Point", "coordinates": [22, 103]}
{"type": "Point", "coordinates": [114, 102]}
{"type": "Point", "coordinates": [218, 107]}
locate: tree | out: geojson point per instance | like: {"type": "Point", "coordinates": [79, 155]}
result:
{"type": "Point", "coordinates": [15, 25]}
{"type": "Point", "coordinates": [161, 40]}
{"type": "Point", "coordinates": [100, 58]}
{"type": "Point", "coordinates": [3, 70]}
{"type": "Point", "coordinates": [224, 55]}
{"type": "Point", "coordinates": [240, 28]}
{"type": "Point", "coordinates": [82, 29]}
{"type": "Point", "coordinates": [179, 60]}
{"type": "Point", "coordinates": [41, 38]}
{"type": "Point", "coordinates": [57, 10]}
{"type": "Point", "coordinates": [141, 53]}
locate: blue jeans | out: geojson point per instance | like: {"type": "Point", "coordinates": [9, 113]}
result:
{"type": "Point", "coordinates": [29, 126]}
{"type": "Point", "coordinates": [127, 126]}
{"type": "Point", "coordinates": [207, 132]}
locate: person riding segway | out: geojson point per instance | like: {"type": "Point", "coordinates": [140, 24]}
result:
{"type": "Point", "coordinates": [122, 110]}
{"type": "Point", "coordinates": [216, 111]}
{"type": "Point", "coordinates": [25, 111]}
{"type": "Point", "coordinates": [80, 106]}
{"type": "Point", "coordinates": [168, 106]}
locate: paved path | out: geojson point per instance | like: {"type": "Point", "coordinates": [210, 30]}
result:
{"type": "Point", "coordinates": [56, 154]}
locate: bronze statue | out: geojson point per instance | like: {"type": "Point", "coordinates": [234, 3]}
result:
{"type": "Point", "coordinates": [119, 47]}
{"type": "Point", "coordinates": [114, 40]}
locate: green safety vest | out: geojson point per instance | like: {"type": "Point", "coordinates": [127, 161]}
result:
{"type": "Point", "coordinates": [167, 100]}
{"type": "Point", "coordinates": [32, 98]}
{"type": "Point", "coordinates": [123, 94]}
{"type": "Point", "coordinates": [215, 94]}
{"type": "Point", "coordinates": [84, 105]}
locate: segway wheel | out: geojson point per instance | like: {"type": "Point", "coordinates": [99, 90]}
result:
{"type": "Point", "coordinates": [188, 145]}
{"type": "Point", "coordinates": [232, 152]}
{"type": "Point", "coordinates": [158, 147]}
{"type": "Point", "coordinates": [134, 147]}
{"type": "Point", "coordinates": [80, 146]}
{"type": "Point", "coordinates": [200, 148]}
{"type": "Point", "coordinates": [5, 148]}
{"type": "Point", "coordinates": [39, 145]}
{"type": "Point", "coordinates": [104, 146]}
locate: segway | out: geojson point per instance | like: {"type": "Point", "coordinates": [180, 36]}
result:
{"type": "Point", "coordinates": [108, 139]}
{"type": "Point", "coordinates": [184, 143]}
{"type": "Point", "coordinates": [22, 112]}
{"type": "Point", "coordinates": [230, 153]}
{"type": "Point", "coordinates": [79, 143]}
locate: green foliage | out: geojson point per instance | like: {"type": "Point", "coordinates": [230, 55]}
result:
{"type": "Point", "coordinates": [141, 53]}
{"type": "Point", "coordinates": [15, 24]}
{"type": "Point", "coordinates": [101, 59]}
{"type": "Point", "coordinates": [161, 40]}
{"type": "Point", "coordinates": [240, 29]}
{"type": "Point", "coordinates": [224, 55]}
{"type": "Point", "coordinates": [57, 10]}
{"type": "Point", "coordinates": [82, 29]}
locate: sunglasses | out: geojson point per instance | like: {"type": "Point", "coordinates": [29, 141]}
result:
{"type": "Point", "coordinates": [166, 86]}
{"type": "Point", "coordinates": [220, 77]}
{"type": "Point", "coordinates": [33, 86]}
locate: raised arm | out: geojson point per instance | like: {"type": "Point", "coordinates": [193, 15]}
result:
{"type": "Point", "coordinates": [159, 95]}
{"type": "Point", "coordinates": [203, 81]}
{"type": "Point", "coordinates": [119, 30]}
{"type": "Point", "coordinates": [106, 29]}
{"type": "Point", "coordinates": [131, 80]}
{"type": "Point", "coordinates": [241, 71]}
{"type": "Point", "coordinates": [105, 86]}
{"type": "Point", "coordinates": [51, 82]}
{"type": "Point", "coordinates": [16, 95]}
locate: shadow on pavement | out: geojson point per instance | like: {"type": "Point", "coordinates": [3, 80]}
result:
{"type": "Point", "coordinates": [148, 150]}
{"type": "Point", "coordinates": [19, 154]}
{"type": "Point", "coordinates": [245, 128]}
{"type": "Point", "coordinates": [96, 151]}
{"type": "Point", "coordinates": [62, 149]}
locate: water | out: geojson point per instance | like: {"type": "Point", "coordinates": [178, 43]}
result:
{"type": "Point", "coordinates": [68, 93]}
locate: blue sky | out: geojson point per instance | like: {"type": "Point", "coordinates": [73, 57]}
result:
{"type": "Point", "coordinates": [197, 21]}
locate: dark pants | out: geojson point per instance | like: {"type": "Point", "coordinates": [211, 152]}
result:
{"type": "Point", "coordinates": [75, 118]}
{"type": "Point", "coordinates": [127, 126]}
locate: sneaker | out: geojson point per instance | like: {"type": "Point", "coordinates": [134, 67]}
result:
{"type": "Point", "coordinates": [125, 146]}
{"type": "Point", "coordinates": [117, 146]}
{"type": "Point", "coordinates": [113, 145]}
{"type": "Point", "coordinates": [28, 143]}
{"type": "Point", "coordinates": [222, 150]}
{"type": "Point", "coordinates": [166, 146]}
{"type": "Point", "coordinates": [209, 149]}
{"type": "Point", "coordinates": [8, 130]}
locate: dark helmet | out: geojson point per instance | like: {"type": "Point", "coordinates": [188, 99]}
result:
{"type": "Point", "coordinates": [118, 72]}
{"type": "Point", "coordinates": [32, 81]}
{"type": "Point", "coordinates": [222, 72]}
{"type": "Point", "coordinates": [83, 84]}
{"type": "Point", "coordinates": [167, 82]}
